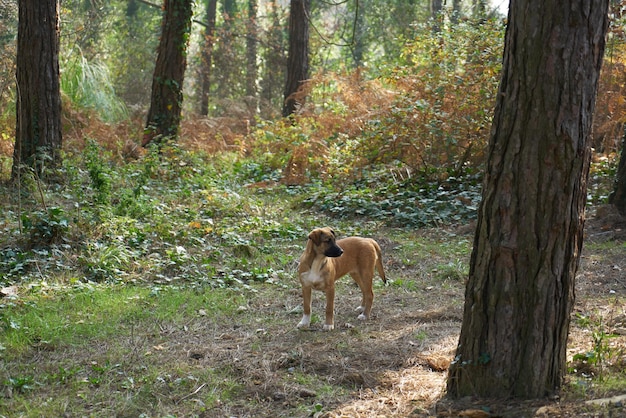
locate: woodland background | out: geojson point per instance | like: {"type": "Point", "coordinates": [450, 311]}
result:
{"type": "Point", "coordinates": [162, 281]}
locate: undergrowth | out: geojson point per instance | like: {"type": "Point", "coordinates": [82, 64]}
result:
{"type": "Point", "coordinates": [177, 216]}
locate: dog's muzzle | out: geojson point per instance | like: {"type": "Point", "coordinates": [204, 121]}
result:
{"type": "Point", "coordinates": [334, 251]}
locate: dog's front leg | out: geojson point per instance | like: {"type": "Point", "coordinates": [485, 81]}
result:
{"type": "Point", "coordinates": [330, 308]}
{"type": "Point", "coordinates": [306, 307]}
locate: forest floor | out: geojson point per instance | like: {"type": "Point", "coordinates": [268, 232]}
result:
{"type": "Point", "coordinates": [395, 364]}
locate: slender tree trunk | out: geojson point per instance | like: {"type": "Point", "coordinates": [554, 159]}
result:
{"type": "Point", "coordinates": [273, 79]}
{"type": "Point", "coordinates": [38, 112]}
{"type": "Point", "coordinates": [520, 291]}
{"type": "Point", "coordinates": [618, 196]}
{"type": "Point", "coordinates": [298, 59]}
{"type": "Point", "coordinates": [360, 29]}
{"type": "Point", "coordinates": [456, 11]}
{"type": "Point", "coordinates": [251, 50]}
{"type": "Point", "coordinates": [226, 59]}
{"type": "Point", "coordinates": [436, 6]}
{"type": "Point", "coordinates": [169, 73]}
{"type": "Point", "coordinates": [207, 57]}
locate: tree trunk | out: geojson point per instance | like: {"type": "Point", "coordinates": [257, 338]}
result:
{"type": "Point", "coordinates": [38, 112]}
{"type": "Point", "coordinates": [618, 196]}
{"type": "Point", "coordinates": [298, 59]}
{"type": "Point", "coordinates": [207, 57]}
{"type": "Point", "coordinates": [169, 73]}
{"type": "Point", "coordinates": [360, 31]}
{"type": "Point", "coordinates": [436, 6]}
{"type": "Point", "coordinates": [456, 11]}
{"type": "Point", "coordinates": [273, 80]}
{"type": "Point", "coordinates": [251, 50]}
{"type": "Point", "coordinates": [226, 58]}
{"type": "Point", "coordinates": [520, 291]}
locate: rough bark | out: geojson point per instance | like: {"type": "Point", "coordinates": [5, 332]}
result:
{"type": "Point", "coordinates": [169, 73]}
{"type": "Point", "coordinates": [520, 291]}
{"type": "Point", "coordinates": [38, 113]}
{"type": "Point", "coordinates": [298, 58]}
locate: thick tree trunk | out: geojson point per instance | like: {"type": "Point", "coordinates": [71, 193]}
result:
{"type": "Point", "coordinates": [167, 83]}
{"type": "Point", "coordinates": [298, 59]}
{"type": "Point", "coordinates": [207, 57]}
{"type": "Point", "coordinates": [38, 122]}
{"type": "Point", "coordinates": [529, 234]}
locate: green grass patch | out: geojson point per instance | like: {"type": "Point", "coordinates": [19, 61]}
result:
{"type": "Point", "coordinates": [112, 349]}
{"type": "Point", "coordinates": [71, 317]}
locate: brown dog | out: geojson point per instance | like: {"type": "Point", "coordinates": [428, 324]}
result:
{"type": "Point", "coordinates": [325, 260]}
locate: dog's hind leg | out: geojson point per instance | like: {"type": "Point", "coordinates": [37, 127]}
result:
{"type": "Point", "coordinates": [367, 296]}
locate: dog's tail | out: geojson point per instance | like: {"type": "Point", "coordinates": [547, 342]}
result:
{"type": "Point", "coordinates": [379, 262]}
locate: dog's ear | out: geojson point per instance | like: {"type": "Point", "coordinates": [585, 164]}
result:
{"type": "Point", "coordinates": [315, 236]}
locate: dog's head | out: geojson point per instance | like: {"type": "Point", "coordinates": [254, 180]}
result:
{"type": "Point", "coordinates": [324, 241]}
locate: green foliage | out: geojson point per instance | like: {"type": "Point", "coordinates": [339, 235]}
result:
{"type": "Point", "coordinates": [13, 263]}
{"type": "Point", "coordinates": [181, 218]}
{"type": "Point", "coordinates": [47, 227]}
{"type": "Point", "coordinates": [602, 355]}
{"type": "Point", "coordinates": [21, 383]}
{"type": "Point", "coordinates": [442, 121]}
{"type": "Point", "coordinates": [409, 202]}
{"type": "Point", "coordinates": [99, 173]}
{"type": "Point", "coordinates": [88, 86]}
{"type": "Point", "coordinates": [106, 261]}
{"type": "Point", "coordinates": [602, 175]}
{"type": "Point", "coordinates": [113, 44]}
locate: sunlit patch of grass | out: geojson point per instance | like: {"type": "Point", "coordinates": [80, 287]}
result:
{"type": "Point", "coordinates": [70, 317]}
{"type": "Point", "coordinates": [110, 348]}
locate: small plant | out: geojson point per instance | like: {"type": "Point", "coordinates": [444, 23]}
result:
{"type": "Point", "coordinates": [99, 173]}
{"type": "Point", "coordinates": [63, 376]}
{"type": "Point", "coordinates": [21, 383]}
{"type": "Point", "coordinates": [594, 361]}
{"type": "Point", "coordinates": [455, 271]}
{"type": "Point", "coordinates": [105, 261]}
{"type": "Point", "coordinates": [13, 263]}
{"type": "Point", "coordinates": [597, 358]}
{"type": "Point", "coordinates": [46, 228]}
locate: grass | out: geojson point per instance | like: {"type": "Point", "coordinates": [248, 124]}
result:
{"type": "Point", "coordinates": [109, 345]}
{"type": "Point", "coordinates": [175, 294]}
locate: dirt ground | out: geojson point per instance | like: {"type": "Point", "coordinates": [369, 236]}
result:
{"type": "Point", "coordinates": [395, 364]}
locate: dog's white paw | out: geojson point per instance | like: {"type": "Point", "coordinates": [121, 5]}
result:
{"type": "Point", "coordinates": [329, 327]}
{"type": "Point", "coordinates": [360, 309]}
{"type": "Point", "coordinates": [305, 321]}
{"type": "Point", "coordinates": [362, 317]}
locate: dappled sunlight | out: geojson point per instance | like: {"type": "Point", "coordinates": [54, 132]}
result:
{"type": "Point", "coordinates": [412, 390]}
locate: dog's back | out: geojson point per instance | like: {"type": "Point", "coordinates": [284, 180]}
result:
{"type": "Point", "coordinates": [361, 249]}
